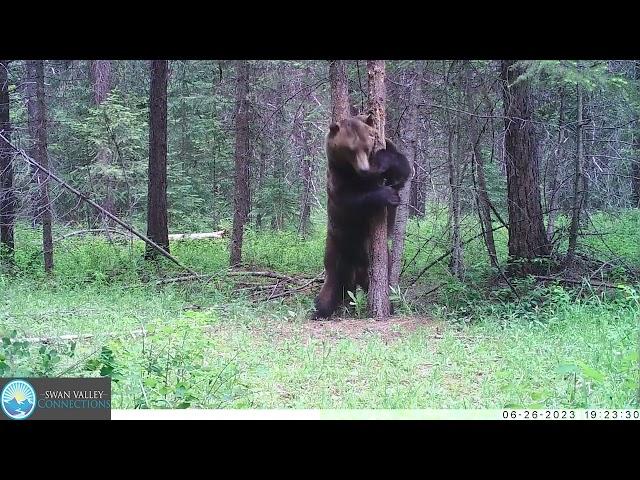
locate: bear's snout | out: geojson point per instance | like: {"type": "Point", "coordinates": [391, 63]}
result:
{"type": "Point", "coordinates": [362, 163]}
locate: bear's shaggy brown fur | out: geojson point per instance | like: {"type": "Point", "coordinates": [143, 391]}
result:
{"type": "Point", "coordinates": [356, 190]}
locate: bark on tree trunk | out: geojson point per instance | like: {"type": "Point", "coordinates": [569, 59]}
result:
{"type": "Point", "coordinates": [339, 90]}
{"type": "Point", "coordinates": [527, 236]}
{"type": "Point", "coordinates": [38, 130]}
{"type": "Point", "coordinates": [157, 222]}
{"type": "Point", "coordinates": [578, 184]}
{"type": "Point", "coordinates": [7, 194]}
{"type": "Point", "coordinates": [101, 80]}
{"type": "Point", "coordinates": [241, 187]}
{"type": "Point", "coordinates": [378, 296]}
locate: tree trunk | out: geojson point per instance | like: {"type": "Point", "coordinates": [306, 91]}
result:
{"type": "Point", "coordinates": [339, 90]}
{"type": "Point", "coordinates": [527, 236]}
{"type": "Point", "coordinates": [157, 223]}
{"type": "Point", "coordinates": [241, 188]}
{"type": "Point", "coordinates": [38, 131]}
{"type": "Point", "coordinates": [280, 153]}
{"type": "Point", "coordinates": [403, 210]}
{"type": "Point", "coordinates": [552, 193]}
{"type": "Point", "coordinates": [7, 194]}
{"type": "Point", "coordinates": [480, 183]}
{"type": "Point", "coordinates": [265, 152]}
{"type": "Point", "coordinates": [100, 72]}
{"type": "Point", "coordinates": [100, 79]}
{"type": "Point", "coordinates": [306, 167]}
{"type": "Point", "coordinates": [635, 173]}
{"type": "Point", "coordinates": [635, 168]}
{"type": "Point", "coordinates": [378, 297]}
{"type": "Point", "coordinates": [484, 209]}
{"type": "Point", "coordinates": [415, 209]}
{"type": "Point", "coordinates": [578, 184]}
{"type": "Point", "coordinates": [456, 263]}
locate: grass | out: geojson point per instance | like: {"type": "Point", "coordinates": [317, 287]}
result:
{"type": "Point", "coordinates": [208, 347]}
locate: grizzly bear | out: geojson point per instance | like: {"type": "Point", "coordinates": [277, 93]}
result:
{"type": "Point", "coordinates": [359, 184]}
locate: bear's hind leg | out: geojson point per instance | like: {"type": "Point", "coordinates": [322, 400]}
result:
{"type": "Point", "coordinates": [329, 297]}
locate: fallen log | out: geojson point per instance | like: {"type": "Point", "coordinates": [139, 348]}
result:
{"type": "Point", "coordinates": [196, 236]}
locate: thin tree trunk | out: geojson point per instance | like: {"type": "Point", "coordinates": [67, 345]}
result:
{"type": "Point", "coordinates": [157, 222]}
{"type": "Point", "coordinates": [305, 197]}
{"type": "Point", "coordinates": [456, 264]}
{"type": "Point", "coordinates": [527, 236]}
{"type": "Point", "coordinates": [31, 107]}
{"type": "Point", "coordinates": [241, 187]}
{"type": "Point", "coordinates": [635, 173]}
{"type": "Point", "coordinates": [378, 297]}
{"type": "Point", "coordinates": [578, 183]}
{"type": "Point", "coordinates": [402, 211]}
{"type": "Point", "coordinates": [484, 209]}
{"type": "Point", "coordinates": [100, 71]}
{"type": "Point", "coordinates": [424, 162]}
{"type": "Point", "coordinates": [262, 167]}
{"type": "Point", "coordinates": [480, 184]}
{"type": "Point", "coordinates": [306, 167]}
{"type": "Point", "coordinates": [339, 90]}
{"type": "Point", "coordinates": [553, 193]}
{"type": "Point", "coordinates": [38, 130]}
{"type": "Point", "coordinates": [7, 194]}
{"type": "Point", "coordinates": [280, 153]}
{"type": "Point", "coordinates": [635, 168]}
{"type": "Point", "coordinates": [414, 132]}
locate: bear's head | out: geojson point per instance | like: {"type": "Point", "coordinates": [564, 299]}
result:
{"type": "Point", "coordinates": [350, 143]}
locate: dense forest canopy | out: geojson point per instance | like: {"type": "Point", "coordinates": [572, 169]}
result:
{"type": "Point", "coordinates": [289, 111]}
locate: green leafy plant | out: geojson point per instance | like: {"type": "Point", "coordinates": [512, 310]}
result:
{"type": "Point", "coordinates": [21, 358]}
{"type": "Point", "coordinates": [359, 301]}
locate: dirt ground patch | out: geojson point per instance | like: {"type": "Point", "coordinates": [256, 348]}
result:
{"type": "Point", "coordinates": [356, 328]}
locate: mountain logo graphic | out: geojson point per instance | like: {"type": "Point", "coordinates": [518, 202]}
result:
{"type": "Point", "coordinates": [18, 399]}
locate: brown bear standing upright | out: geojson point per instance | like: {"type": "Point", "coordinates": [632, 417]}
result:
{"type": "Point", "coordinates": [356, 191]}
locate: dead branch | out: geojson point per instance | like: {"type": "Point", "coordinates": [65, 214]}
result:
{"type": "Point", "coordinates": [317, 279]}
{"type": "Point", "coordinates": [579, 281]}
{"type": "Point", "coordinates": [90, 231]}
{"type": "Point", "coordinates": [86, 199]}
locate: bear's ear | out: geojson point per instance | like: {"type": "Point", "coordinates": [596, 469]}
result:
{"type": "Point", "coordinates": [334, 128]}
{"type": "Point", "coordinates": [369, 118]}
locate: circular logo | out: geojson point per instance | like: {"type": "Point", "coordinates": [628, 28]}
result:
{"type": "Point", "coordinates": [18, 399]}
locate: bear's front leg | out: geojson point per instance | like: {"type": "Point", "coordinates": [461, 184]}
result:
{"type": "Point", "coordinates": [378, 197]}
